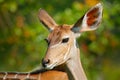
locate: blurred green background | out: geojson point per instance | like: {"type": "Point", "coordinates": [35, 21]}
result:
{"type": "Point", "coordinates": [22, 44]}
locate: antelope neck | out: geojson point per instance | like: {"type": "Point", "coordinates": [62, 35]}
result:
{"type": "Point", "coordinates": [74, 63]}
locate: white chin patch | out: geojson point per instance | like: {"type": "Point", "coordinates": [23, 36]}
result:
{"type": "Point", "coordinates": [51, 66]}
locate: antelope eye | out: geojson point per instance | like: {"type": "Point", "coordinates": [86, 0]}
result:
{"type": "Point", "coordinates": [65, 40]}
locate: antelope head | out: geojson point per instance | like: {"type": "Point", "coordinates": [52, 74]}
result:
{"type": "Point", "coordinates": [62, 38]}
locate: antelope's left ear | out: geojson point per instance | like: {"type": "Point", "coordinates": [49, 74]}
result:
{"type": "Point", "coordinates": [90, 20]}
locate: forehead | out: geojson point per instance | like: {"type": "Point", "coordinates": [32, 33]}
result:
{"type": "Point", "coordinates": [60, 31]}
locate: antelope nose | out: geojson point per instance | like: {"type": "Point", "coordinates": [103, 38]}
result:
{"type": "Point", "coordinates": [45, 62]}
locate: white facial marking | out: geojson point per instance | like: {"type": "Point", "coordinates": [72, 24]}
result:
{"type": "Point", "coordinates": [51, 66]}
{"type": "Point", "coordinates": [65, 36]}
{"type": "Point", "coordinates": [66, 54]}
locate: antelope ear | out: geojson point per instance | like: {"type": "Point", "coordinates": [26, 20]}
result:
{"type": "Point", "coordinates": [46, 20]}
{"type": "Point", "coordinates": [90, 20]}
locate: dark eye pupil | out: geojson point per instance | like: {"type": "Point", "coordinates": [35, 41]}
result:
{"type": "Point", "coordinates": [65, 40]}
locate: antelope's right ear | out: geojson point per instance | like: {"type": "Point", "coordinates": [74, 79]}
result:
{"type": "Point", "coordinates": [90, 20]}
{"type": "Point", "coordinates": [46, 20]}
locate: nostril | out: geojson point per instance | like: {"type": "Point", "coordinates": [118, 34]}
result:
{"type": "Point", "coordinates": [45, 61]}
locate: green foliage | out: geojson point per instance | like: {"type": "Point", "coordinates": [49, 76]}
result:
{"type": "Point", "coordinates": [22, 44]}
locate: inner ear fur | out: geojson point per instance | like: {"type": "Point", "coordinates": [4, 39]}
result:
{"type": "Point", "coordinates": [90, 20]}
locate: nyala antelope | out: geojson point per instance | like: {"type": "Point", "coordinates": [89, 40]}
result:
{"type": "Point", "coordinates": [62, 59]}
